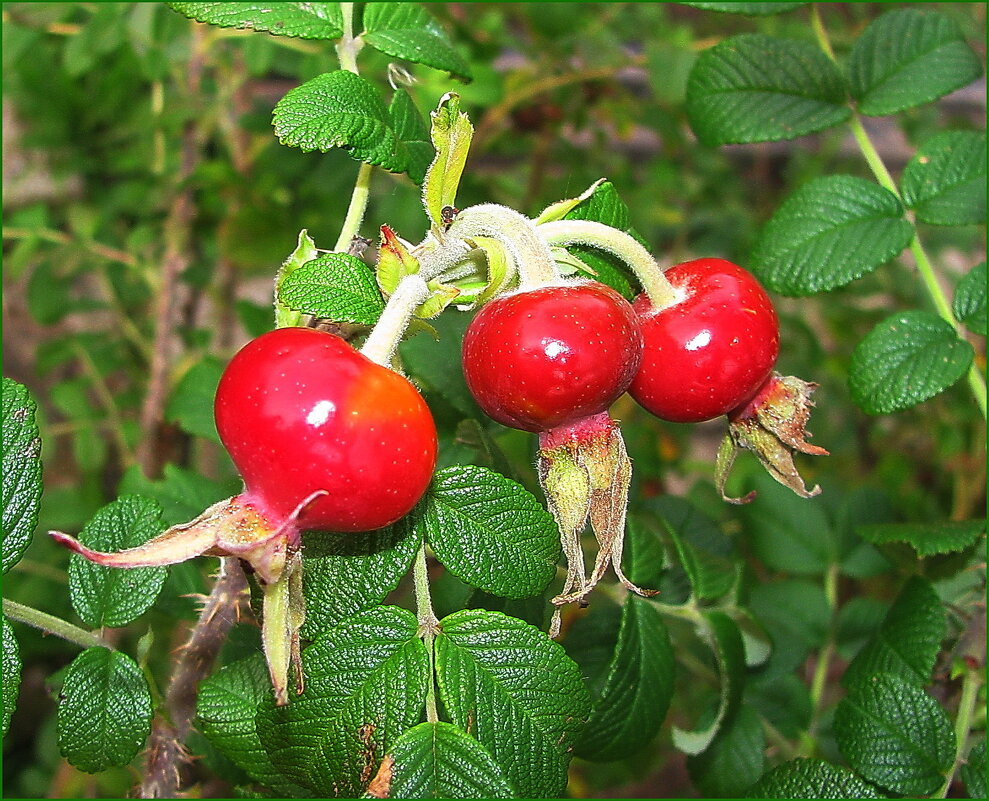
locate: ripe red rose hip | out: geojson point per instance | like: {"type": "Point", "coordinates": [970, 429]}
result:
{"type": "Point", "coordinates": [539, 359]}
{"type": "Point", "coordinates": [300, 411]}
{"type": "Point", "coordinates": [711, 350]}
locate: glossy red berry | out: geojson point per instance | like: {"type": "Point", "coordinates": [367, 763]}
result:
{"type": "Point", "coordinates": [710, 351]}
{"type": "Point", "coordinates": [299, 411]}
{"type": "Point", "coordinates": [539, 359]}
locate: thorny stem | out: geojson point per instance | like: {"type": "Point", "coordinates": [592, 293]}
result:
{"type": "Point", "coordinates": [53, 625]}
{"type": "Point", "coordinates": [661, 292]}
{"type": "Point", "coordinates": [966, 708]}
{"type": "Point", "coordinates": [171, 726]}
{"type": "Point", "coordinates": [388, 331]}
{"type": "Point", "coordinates": [925, 269]}
{"type": "Point", "coordinates": [427, 625]}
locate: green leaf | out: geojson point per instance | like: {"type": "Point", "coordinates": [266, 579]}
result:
{"type": "Point", "coordinates": [108, 596]}
{"type": "Point", "coordinates": [796, 614]}
{"type": "Point", "coordinates": [21, 471]}
{"type": "Point", "coordinates": [505, 683]}
{"type": "Point", "coordinates": [490, 531]}
{"type": "Point", "coordinates": [909, 57]}
{"type": "Point", "coordinates": [336, 286]}
{"type": "Point", "coordinates": [637, 688]}
{"type": "Point", "coordinates": [411, 128]}
{"type": "Point", "coordinates": [341, 109]}
{"type": "Point", "coordinates": [908, 640]}
{"type": "Point", "coordinates": [226, 707]}
{"type": "Point", "coordinates": [755, 9]}
{"type": "Point", "coordinates": [927, 539]}
{"type": "Point", "coordinates": [969, 304]}
{"type": "Point", "coordinates": [408, 32]}
{"type": "Point", "coordinates": [437, 760]}
{"type": "Point", "coordinates": [705, 553]}
{"type": "Point", "coordinates": [305, 251]}
{"type": "Point", "coordinates": [365, 684]}
{"type": "Point", "coordinates": [182, 493]}
{"type": "Point", "coordinates": [973, 772]}
{"type": "Point", "coordinates": [11, 673]}
{"type": "Point", "coordinates": [811, 778]}
{"type": "Point", "coordinates": [437, 367]}
{"type": "Point", "coordinates": [734, 760]}
{"type": "Point", "coordinates": [945, 182]}
{"type": "Point", "coordinates": [905, 360]}
{"type": "Point", "coordinates": [191, 403]}
{"type": "Point", "coordinates": [827, 233]}
{"type": "Point", "coordinates": [451, 132]}
{"type": "Point", "coordinates": [756, 88]}
{"type": "Point", "coordinates": [895, 735]}
{"type": "Point", "coordinates": [302, 20]}
{"type": "Point", "coordinates": [722, 634]}
{"type": "Point", "coordinates": [349, 573]}
{"type": "Point", "coordinates": [104, 715]}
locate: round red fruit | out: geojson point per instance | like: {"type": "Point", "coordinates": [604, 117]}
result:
{"type": "Point", "coordinates": [539, 359]}
{"type": "Point", "coordinates": [301, 411]}
{"type": "Point", "coordinates": [711, 350]}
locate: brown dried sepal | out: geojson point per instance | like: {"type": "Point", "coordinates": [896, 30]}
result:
{"type": "Point", "coordinates": [773, 425]}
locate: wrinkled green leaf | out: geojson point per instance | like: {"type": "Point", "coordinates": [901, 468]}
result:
{"type": "Point", "coordinates": [906, 359]}
{"type": "Point", "coordinates": [973, 772]}
{"type": "Point", "coordinates": [907, 57]}
{"type": "Point", "coordinates": [490, 531]}
{"type": "Point", "coordinates": [407, 31]}
{"type": "Point", "coordinates": [927, 539]}
{"type": "Point", "coordinates": [895, 735]}
{"type": "Point", "coordinates": [969, 304]}
{"type": "Point", "coordinates": [637, 688]}
{"type": "Point", "coordinates": [755, 9]}
{"type": "Point", "coordinates": [756, 88]}
{"type": "Point", "coordinates": [516, 691]}
{"type": "Point", "coordinates": [945, 182]}
{"type": "Point", "coordinates": [438, 760]}
{"type": "Point", "coordinates": [411, 129]}
{"type": "Point", "coordinates": [302, 20]}
{"type": "Point", "coordinates": [722, 634]}
{"type": "Point", "coordinates": [108, 596]}
{"type": "Point", "coordinates": [104, 715]}
{"type": "Point", "coordinates": [191, 403]}
{"type": "Point", "coordinates": [908, 640]}
{"type": "Point", "coordinates": [827, 233]}
{"type": "Point", "coordinates": [305, 251]}
{"type": "Point", "coordinates": [451, 132]}
{"type": "Point", "coordinates": [11, 674]}
{"type": "Point", "coordinates": [21, 471]}
{"type": "Point", "coordinates": [336, 286]}
{"type": "Point", "coordinates": [733, 760]}
{"type": "Point", "coordinates": [226, 708]}
{"type": "Point", "coordinates": [811, 778]}
{"type": "Point", "coordinates": [349, 573]}
{"type": "Point", "coordinates": [705, 553]}
{"type": "Point", "coordinates": [365, 684]}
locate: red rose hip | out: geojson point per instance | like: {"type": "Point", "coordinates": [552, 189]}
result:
{"type": "Point", "coordinates": [300, 411]}
{"type": "Point", "coordinates": [539, 359]}
{"type": "Point", "coordinates": [711, 350]}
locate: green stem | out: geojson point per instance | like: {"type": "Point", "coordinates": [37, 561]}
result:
{"type": "Point", "coordinates": [925, 269]}
{"type": "Point", "coordinates": [53, 625]}
{"type": "Point", "coordinates": [427, 626]}
{"type": "Point", "coordinates": [661, 292]}
{"type": "Point", "coordinates": [966, 708]}
{"type": "Point", "coordinates": [823, 666]}
{"type": "Point", "coordinates": [381, 343]}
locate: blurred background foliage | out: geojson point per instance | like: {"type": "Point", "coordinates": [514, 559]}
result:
{"type": "Point", "coordinates": [139, 164]}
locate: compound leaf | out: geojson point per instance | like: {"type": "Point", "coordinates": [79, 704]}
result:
{"type": "Point", "coordinates": [811, 778]}
{"type": "Point", "coordinates": [11, 673]}
{"type": "Point", "coordinates": [301, 20]}
{"type": "Point", "coordinates": [945, 182]}
{"type": "Point", "coordinates": [969, 303]}
{"type": "Point", "coordinates": [756, 88]}
{"type": "Point", "coordinates": [637, 688]}
{"type": "Point", "coordinates": [927, 539]}
{"type": "Point", "coordinates": [827, 233]}
{"type": "Point", "coordinates": [109, 596]}
{"type": "Point", "coordinates": [905, 360]}
{"type": "Point", "coordinates": [104, 715]}
{"type": "Point", "coordinates": [407, 31]}
{"type": "Point", "coordinates": [336, 286]}
{"type": "Point", "coordinates": [895, 735]}
{"type": "Point", "coordinates": [490, 531]}
{"type": "Point", "coordinates": [908, 57]}
{"type": "Point", "coordinates": [505, 683]}
{"type": "Point", "coordinates": [21, 471]}
{"type": "Point", "coordinates": [365, 684]}
{"type": "Point", "coordinates": [438, 760]}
